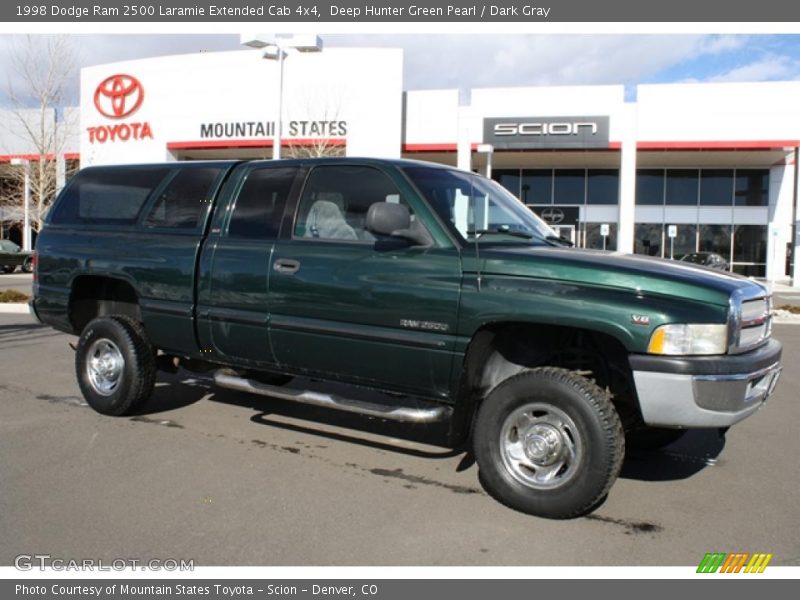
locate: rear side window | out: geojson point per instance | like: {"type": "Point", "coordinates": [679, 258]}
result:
{"type": "Point", "coordinates": [108, 196]}
{"type": "Point", "coordinates": [185, 200]}
{"type": "Point", "coordinates": [259, 206]}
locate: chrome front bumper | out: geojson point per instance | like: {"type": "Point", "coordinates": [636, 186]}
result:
{"type": "Point", "coordinates": [706, 393]}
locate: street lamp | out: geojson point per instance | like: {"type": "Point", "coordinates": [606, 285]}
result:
{"type": "Point", "coordinates": [26, 219]}
{"type": "Point", "coordinates": [274, 48]}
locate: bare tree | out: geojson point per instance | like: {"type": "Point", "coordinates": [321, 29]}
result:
{"type": "Point", "coordinates": [40, 78]}
{"type": "Point", "coordinates": [322, 106]}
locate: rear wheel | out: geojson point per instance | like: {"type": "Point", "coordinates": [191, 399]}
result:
{"type": "Point", "coordinates": [548, 442]}
{"type": "Point", "coordinates": [27, 266]}
{"type": "Point", "coordinates": [115, 365]}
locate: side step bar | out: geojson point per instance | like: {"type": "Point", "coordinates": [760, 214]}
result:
{"type": "Point", "coordinates": [428, 414]}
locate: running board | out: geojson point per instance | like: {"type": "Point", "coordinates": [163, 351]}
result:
{"type": "Point", "coordinates": [428, 414]}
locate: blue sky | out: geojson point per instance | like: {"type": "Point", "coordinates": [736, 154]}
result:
{"type": "Point", "coordinates": [744, 58]}
{"type": "Point", "coordinates": [469, 60]}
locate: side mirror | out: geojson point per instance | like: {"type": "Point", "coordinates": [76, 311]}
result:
{"type": "Point", "coordinates": [390, 219]}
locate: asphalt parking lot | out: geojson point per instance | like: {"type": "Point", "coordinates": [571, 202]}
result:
{"type": "Point", "coordinates": [225, 478]}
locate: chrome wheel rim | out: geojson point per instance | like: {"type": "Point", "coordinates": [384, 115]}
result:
{"type": "Point", "coordinates": [540, 446]}
{"type": "Point", "coordinates": [104, 366]}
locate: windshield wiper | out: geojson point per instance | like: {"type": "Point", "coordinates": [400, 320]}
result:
{"type": "Point", "coordinates": [502, 230]}
{"type": "Point", "coordinates": [559, 240]}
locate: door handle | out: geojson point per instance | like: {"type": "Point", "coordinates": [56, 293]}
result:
{"type": "Point", "coordinates": [286, 266]}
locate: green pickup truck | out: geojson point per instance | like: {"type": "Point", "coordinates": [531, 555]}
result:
{"type": "Point", "coordinates": [435, 289]}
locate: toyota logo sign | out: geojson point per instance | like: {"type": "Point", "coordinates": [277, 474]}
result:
{"type": "Point", "coordinates": [554, 216]}
{"type": "Point", "coordinates": [118, 96]}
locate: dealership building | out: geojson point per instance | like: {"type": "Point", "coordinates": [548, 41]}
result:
{"type": "Point", "coordinates": [663, 170]}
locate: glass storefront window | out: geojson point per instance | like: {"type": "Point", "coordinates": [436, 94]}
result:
{"type": "Point", "coordinates": [508, 178]}
{"type": "Point", "coordinates": [750, 270]}
{"type": "Point", "coordinates": [650, 187]}
{"type": "Point", "coordinates": [716, 187]}
{"type": "Point", "coordinates": [750, 243]}
{"type": "Point", "coordinates": [684, 242]}
{"type": "Point", "coordinates": [569, 186]}
{"type": "Point", "coordinates": [681, 187]}
{"type": "Point", "coordinates": [602, 186]}
{"type": "Point", "coordinates": [537, 186]}
{"type": "Point", "coordinates": [595, 240]}
{"type": "Point", "coordinates": [716, 238]}
{"type": "Point", "coordinates": [647, 239]}
{"type": "Point", "coordinates": [752, 187]}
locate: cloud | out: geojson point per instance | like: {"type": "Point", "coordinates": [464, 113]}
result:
{"type": "Point", "coordinates": [720, 44]}
{"type": "Point", "coordinates": [464, 61]}
{"type": "Point", "coordinates": [98, 49]}
{"type": "Point", "coordinates": [468, 60]}
{"type": "Point", "coordinates": [771, 68]}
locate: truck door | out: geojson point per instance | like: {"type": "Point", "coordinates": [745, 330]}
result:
{"type": "Point", "coordinates": [233, 303]}
{"type": "Point", "coordinates": [346, 306]}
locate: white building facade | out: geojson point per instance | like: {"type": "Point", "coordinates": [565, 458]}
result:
{"type": "Point", "coordinates": [682, 168]}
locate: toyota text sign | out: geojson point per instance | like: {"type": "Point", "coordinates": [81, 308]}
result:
{"type": "Point", "coordinates": [116, 98]}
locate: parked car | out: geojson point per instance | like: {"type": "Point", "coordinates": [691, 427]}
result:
{"type": "Point", "coordinates": [707, 259]}
{"type": "Point", "coordinates": [433, 288]}
{"type": "Point", "coordinates": [12, 256]}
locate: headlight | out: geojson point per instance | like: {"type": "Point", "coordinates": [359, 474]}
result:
{"type": "Point", "coordinates": [689, 339]}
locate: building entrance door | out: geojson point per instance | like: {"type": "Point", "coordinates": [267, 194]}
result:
{"type": "Point", "coordinates": [565, 231]}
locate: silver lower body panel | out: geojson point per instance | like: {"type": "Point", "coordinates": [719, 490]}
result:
{"type": "Point", "coordinates": [688, 401]}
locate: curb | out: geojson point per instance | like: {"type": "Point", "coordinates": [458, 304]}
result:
{"type": "Point", "coordinates": [13, 308]}
{"type": "Point", "coordinates": [786, 321]}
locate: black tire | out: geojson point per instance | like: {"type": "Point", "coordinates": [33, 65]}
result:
{"type": "Point", "coordinates": [126, 378]}
{"type": "Point", "coordinates": [9, 269]}
{"type": "Point", "coordinates": [586, 455]}
{"type": "Point", "coordinates": [652, 438]}
{"type": "Point", "coordinates": [27, 266]}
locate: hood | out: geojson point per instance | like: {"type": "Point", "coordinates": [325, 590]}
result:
{"type": "Point", "coordinates": [643, 274]}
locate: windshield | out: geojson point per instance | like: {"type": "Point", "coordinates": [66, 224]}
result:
{"type": "Point", "coordinates": [478, 208]}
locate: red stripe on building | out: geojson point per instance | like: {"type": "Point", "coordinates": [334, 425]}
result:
{"type": "Point", "coordinates": [447, 147]}
{"type": "Point", "coordinates": [258, 143]}
{"type": "Point", "coordinates": [444, 147]}
{"type": "Point", "coordinates": [34, 157]}
{"type": "Point", "coordinates": [723, 145]}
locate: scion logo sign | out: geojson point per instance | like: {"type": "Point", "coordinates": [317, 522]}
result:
{"type": "Point", "coordinates": [555, 215]}
{"type": "Point", "coordinates": [118, 97]}
{"type": "Point", "coordinates": [546, 132]}
{"type": "Point", "coordinates": [552, 215]}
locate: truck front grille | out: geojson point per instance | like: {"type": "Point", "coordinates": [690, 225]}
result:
{"type": "Point", "coordinates": [752, 322]}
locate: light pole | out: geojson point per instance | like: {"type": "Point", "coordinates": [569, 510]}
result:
{"type": "Point", "coordinates": [274, 48]}
{"type": "Point", "coordinates": [26, 206]}
{"type": "Point", "coordinates": [488, 150]}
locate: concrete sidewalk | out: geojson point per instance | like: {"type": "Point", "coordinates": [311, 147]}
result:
{"type": "Point", "coordinates": [13, 308]}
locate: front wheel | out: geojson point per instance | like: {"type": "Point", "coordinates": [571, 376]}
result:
{"type": "Point", "coordinates": [115, 365]}
{"type": "Point", "coordinates": [8, 269]}
{"type": "Point", "coordinates": [548, 442]}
